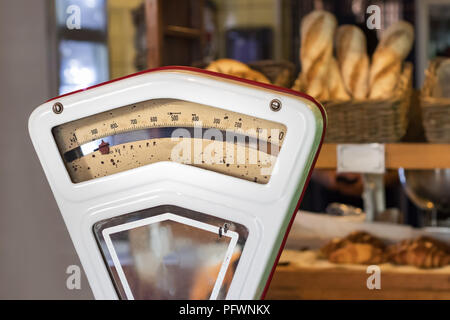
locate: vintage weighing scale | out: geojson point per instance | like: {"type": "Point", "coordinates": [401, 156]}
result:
{"type": "Point", "coordinates": [178, 183]}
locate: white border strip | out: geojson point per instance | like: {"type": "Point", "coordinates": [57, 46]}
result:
{"type": "Point", "coordinates": [163, 217]}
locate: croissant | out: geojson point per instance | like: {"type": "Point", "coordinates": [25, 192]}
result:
{"type": "Point", "coordinates": [358, 253]}
{"type": "Point", "coordinates": [358, 247]}
{"type": "Point", "coordinates": [423, 252]}
{"type": "Point", "coordinates": [365, 237]}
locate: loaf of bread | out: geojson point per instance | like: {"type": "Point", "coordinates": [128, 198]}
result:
{"type": "Point", "coordinates": [351, 52]}
{"type": "Point", "coordinates": [237, 69]}
{"type": "Point", "coordinates": [394, 46]}
{"type": "Point", "coordinates": [251, 75]}
{"type": "Point", "coordinates": [227, 66]}
{"type": "Point", "coordinates": [298, 84]}
{"type": "Point", "coordinates": [317, 33]}
{"type": "Point", "coordinates": [336, 89]}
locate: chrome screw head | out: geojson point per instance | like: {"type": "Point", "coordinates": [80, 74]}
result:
{"type": "Point", "coordinates": [275, 105]}
{"type": "Point", "coordinates": [58, 108]}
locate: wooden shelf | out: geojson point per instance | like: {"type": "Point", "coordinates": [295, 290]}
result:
{"type": "Point", "coordinates": [293, 282]}
{"type": "Point", "coordinates": [398, 155]}
{"type": "Point", "coordinates": [183, 32]}
{"type": "Point", "coordinates": [175, 32]}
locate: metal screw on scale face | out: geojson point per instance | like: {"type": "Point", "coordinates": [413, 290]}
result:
{"type": "Point", "coordinates": [223, 229]}
{"type": "Point", "coordinates": [275, 105]}
{"type": "Point", "coordinates": [58, 108]}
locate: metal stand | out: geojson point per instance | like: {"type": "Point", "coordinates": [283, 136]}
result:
{"type": "Point", "coordinates": [373, 195]}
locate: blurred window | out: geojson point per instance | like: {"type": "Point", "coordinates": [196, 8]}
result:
{"type": "Point", "coordinates": [82, 64]}
{"type": "Point", "coordinates": [82, 50]}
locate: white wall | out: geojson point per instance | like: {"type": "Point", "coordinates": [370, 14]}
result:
{"type": "Point", "coordinates": [35, 248]}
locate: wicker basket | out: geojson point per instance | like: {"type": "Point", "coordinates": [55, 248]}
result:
{"type": "Point", "coordinates": [435, 111]}
{"type": "Point", "coordinates": [280, 73]}
{"type": "Point", "coordinates": [365, 121]}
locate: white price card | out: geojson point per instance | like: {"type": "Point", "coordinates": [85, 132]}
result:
{"type": "Point", "coordinates": [363, 158]}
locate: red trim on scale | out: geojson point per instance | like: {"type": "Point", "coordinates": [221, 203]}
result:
{"type": "Point", "coordinates": [283, 243]}
{"type": "Point", "coordinates": [254, 83]}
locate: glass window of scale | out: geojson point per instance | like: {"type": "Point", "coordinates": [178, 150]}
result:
{"type": "Point", "coordinates": [169, 252]}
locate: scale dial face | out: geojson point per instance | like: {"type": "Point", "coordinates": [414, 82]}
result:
{"type": "Point", "coordinates": [157, 130]}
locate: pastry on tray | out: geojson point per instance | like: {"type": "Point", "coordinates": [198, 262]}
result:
{"type": "Point", "coordinates": [423, 252]}
{"type": "Point", "coordinates": [360, 247]}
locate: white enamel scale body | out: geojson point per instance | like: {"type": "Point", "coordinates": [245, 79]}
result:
{"type": "Point", "coordinates": [161, 228]}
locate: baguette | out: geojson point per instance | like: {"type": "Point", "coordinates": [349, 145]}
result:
{"type": "Point", "coordinates": [352, 56]}
{"type": "Point", "coordinates": [384, 74]}
{"type": "Point", "coordinates": [336, 89]}
{"type": "Point", "coordinates": [317, 32]}
{"type": "Point", "coordinates": [394, 46]}
{"type": "Point", "coordinates": [399, 38]}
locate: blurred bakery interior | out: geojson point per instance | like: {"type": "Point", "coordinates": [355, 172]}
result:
{"type": "Point", "coordinates": [380, 191]}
